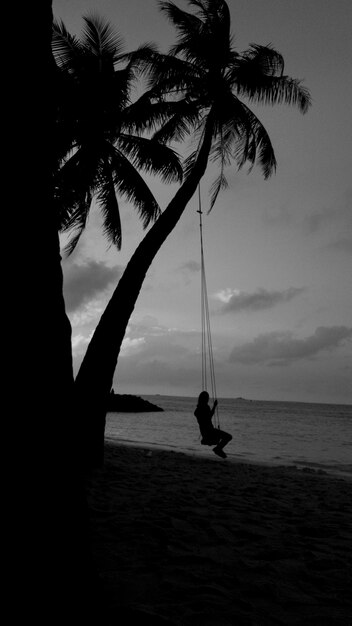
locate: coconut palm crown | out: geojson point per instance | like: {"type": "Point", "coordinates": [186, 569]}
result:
{"type": "Point", "coordinates": [97, 154]}
{"type": "Point", "coordinates": [203, 75]}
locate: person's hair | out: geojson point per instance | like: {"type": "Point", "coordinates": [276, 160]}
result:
{"type": "Point", "coordinates": [203, 397]}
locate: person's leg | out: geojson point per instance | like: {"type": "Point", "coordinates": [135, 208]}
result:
{"type": "Point", "coordinates": [225, 438]}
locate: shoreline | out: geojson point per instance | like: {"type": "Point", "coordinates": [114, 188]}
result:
{"type": "Point", "coordinates": [182, 539]}
{"type": "Point", "coordinates": [306, 467]}
{"type": "Point", "coordinates": [258, 400]}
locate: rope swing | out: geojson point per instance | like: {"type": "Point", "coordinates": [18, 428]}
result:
{"type": "Point", "coordinates": [208, 371]}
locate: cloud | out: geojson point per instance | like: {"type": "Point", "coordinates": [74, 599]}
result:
{"type": "Point", "coordinates": [83, 283]}
{"type": "Point", "coordinates": [342, 244]}
{"type": "Point", "coordinates": [225, 295]}
{"type": "Point", "coordinates": [148, 325]}
{"type": "Point", "coordinates": [153, 341]}
{"type": "Point", "coordinates": [166, 360]}
{"type": "Point", "coordinates": [188, 270]}
{"type": "Point", "coordinates": [190, 266]}
{"type": "Point", "coordinates": [334, 217]}
{"type": "Point", "coordinates": [131, 346]}
{"type": "Point", "coordinates": [79, 341]}
{"type": "Point", "coordinates": [157, 359]}
{"type": "Point", "coordinates": [154, 355]}
{"type": "Point", "coordinates": [340, 213]}
{"type": "Point", "coordinates": [236, 301]}
{"type": "Point", "coordinates": [87, 314]}
{"type": "Point", "coordinates": [282, 348]}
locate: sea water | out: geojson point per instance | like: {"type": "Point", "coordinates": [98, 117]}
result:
{"type": "Point", "coordinates": [311, 436]}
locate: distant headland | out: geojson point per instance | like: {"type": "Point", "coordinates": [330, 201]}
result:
{"type": "Point", "coordinates": [126, 403]}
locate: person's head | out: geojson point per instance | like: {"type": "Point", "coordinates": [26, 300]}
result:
{"type": "Point", "coordinates": [203, 398]}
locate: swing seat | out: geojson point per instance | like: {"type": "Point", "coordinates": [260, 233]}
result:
{"type": "Point", "coordinates": [211, 440]}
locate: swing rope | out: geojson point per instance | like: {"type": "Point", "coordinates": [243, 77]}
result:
{"type": "Point", "coordinates": [207, 346]}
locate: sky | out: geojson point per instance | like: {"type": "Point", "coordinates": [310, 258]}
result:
{"type": "Point", "coordinates": [278, 253]}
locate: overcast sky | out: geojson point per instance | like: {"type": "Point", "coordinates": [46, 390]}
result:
{"type": "Point", "coordinates": [277, 252]}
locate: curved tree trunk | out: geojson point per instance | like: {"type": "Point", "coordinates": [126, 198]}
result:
{"type": "Point", "coordinates": [94, 379]}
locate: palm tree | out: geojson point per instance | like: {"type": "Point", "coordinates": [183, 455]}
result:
{"type": "Point", "coordinates": [206, 87]}
{"type": "Point", "coordinates": [48, 560]}
{"type": "Point", "coordinates": [97, 152]}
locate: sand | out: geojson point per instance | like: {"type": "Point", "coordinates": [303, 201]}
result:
{"type": "Point", "coordinates": [185, 540]}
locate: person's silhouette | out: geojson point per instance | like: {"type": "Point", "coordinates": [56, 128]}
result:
{"type": "Point", "coordinates": [210, 436]}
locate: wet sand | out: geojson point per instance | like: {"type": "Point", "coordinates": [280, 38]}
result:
{"type": "Point", "coordinates": [184, 540]}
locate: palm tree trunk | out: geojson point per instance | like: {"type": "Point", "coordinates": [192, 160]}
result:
{"type": "Point", "coordinates": [94, 380]}
{"type": "Point", "coordinates": [50, 569]}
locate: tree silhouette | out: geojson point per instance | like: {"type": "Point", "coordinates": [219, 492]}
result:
{"type": "Point", "coordinates": [50, 569]}
{"type": "Point", "coordinates": [98, 151]}
{"type": "Point", "coordinates": [203, 88]}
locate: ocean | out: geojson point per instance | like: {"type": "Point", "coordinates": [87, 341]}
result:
{"type": "Point", "coordinates": [306, 435]}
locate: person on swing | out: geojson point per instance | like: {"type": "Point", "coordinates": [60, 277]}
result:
{"type": "Point", "coordinates": [210, 435]}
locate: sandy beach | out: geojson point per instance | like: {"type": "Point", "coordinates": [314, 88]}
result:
{"type": "Point", "coordinates": [189, 541]}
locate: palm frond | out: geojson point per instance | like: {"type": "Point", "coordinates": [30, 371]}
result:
{"type": "Point", "coordinates": [100, 38]}
{"type": "Point", "coordinates": [286, 90]}
{"type": "Point", "coordinates": [77, 222]}
{"type": "Point", "coordinates": [79, 173]}
{"type": "Point", "coordinates": [143, 58]}
{"type": "Point", "coordinates": [199, 133]}
{"type": "Point", "coordinates": [171, 74]}
{"type": "Point", "coordinates": [71, 207]}
{"type": "Point", "coordinates": [145, 114]}
{"type": "Point", "coordinates": [256, 145]}
{"type": "Point", "coordinates": [218, 185]}
{"type": "Point", "coordinates": [201, 5]}
{"type": "Point", "coordinates": [185, 22]}
{"type": "Point", "coordinates": [185, 118]}
{"type": "Point", "coordinates": [203, 39]}
{"type": "Point", "coordinates": [258, 75]}
{"type": "Point", "coordinates": [108, 203]}
{"type": "Point", "coordinates": [72, 244]}
{"type": "Point", "coordinates": [241, 138]}
{"type": "Point", "coordinates": [277, 90]}
{"type": "Point", "coordinates": [151, 156]}
{"type": "Point", "coordinates": [268, 60]}
{"type": "Point", "coordinates": [190, 162]}
{"type": "Point", "coordinates": [151, 111]}
{"type": "Point", "coordinates": [190, 40]}
{"type": "Point", "coordinates": [130, 184]}
{"type": "Point", "coordinates": [175, 129]}
{"type": "Point", "coordinates": [74, 185]}
{"type": "Point", "coordinates": [65, 46]}
{"type": "Point", "coordinates": [118, 91]}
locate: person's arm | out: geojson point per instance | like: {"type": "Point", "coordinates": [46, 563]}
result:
{"type": "Point", "coordinates": [214, 407]}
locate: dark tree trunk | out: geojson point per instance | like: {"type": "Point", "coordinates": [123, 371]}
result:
{"type": "Point", "coordinates": [94, 380]}
{"type": "Point", "coordinates": [50, 565]}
